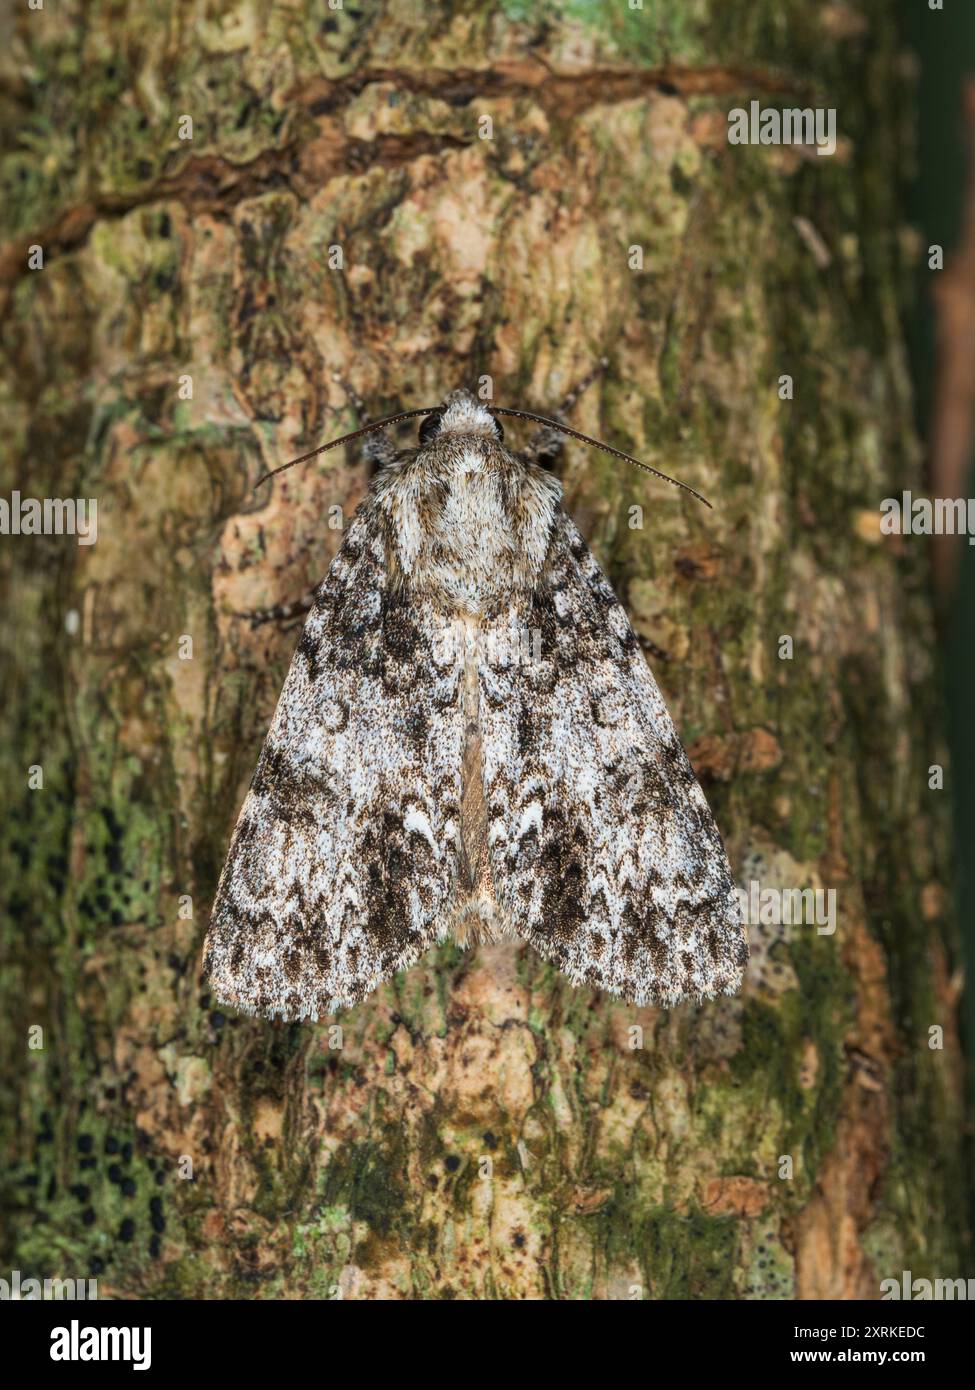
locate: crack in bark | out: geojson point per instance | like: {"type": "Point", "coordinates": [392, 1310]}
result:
{"type": "Point", "coordinates": [564, 93]}
{"type": "Point", "coordinates": [213, 183]}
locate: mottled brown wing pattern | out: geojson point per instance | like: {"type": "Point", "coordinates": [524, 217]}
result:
{"type": "Point", "coordinates": [345, 854]}
{"type": "Point", "coordinates": [604, 853]}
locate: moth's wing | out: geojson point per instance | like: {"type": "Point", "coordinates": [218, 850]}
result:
{"type": "Point", "coordinates": [344, 857]}
{"type": "Point", "coordinates": [604, 853]}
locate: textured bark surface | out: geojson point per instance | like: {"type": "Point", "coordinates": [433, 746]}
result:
{"type": "Point", "coordinates": [616, 1170]}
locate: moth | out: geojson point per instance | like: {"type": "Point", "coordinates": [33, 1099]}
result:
{"type": "Point", "coordinates": [469, 742]}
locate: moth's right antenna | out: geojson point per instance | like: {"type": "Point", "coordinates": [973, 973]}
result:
{"type": "Point", "coordinates": [334, 443]}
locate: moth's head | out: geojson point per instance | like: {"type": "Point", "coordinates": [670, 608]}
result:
{"type": "Point", "coordinates": [460, 414]}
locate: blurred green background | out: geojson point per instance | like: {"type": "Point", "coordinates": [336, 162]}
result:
{"type": "Point", "coordinates": [945, 44]}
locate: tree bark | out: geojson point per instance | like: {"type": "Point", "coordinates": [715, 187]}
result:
{"type": "Point", "coordinates": [478, 1128]}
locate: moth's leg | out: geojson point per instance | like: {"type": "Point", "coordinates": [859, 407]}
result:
{"type": "Point", "coordinates": [545, 444]}
{"type": "Point", "coordinates": [566, 404]}
{"type": "Point", "coordinates": [358, 403]}
{"type": "Point", "coordinates": [656, 652]}
{"type": "Point", "coordinates": [377, 448]}
{"type": "Point", "coordinates": [279, 612]}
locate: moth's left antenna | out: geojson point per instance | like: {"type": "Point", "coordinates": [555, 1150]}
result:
{"type": "Point", "coordinates": [598, 444]}
{"type": "Point", "coordinates": [334, 443]}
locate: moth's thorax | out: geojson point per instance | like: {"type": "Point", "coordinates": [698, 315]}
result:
{"type": "Point", "coordinates": [469, 522]}
{"type": "Point", "coordinates": [464, 415]}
